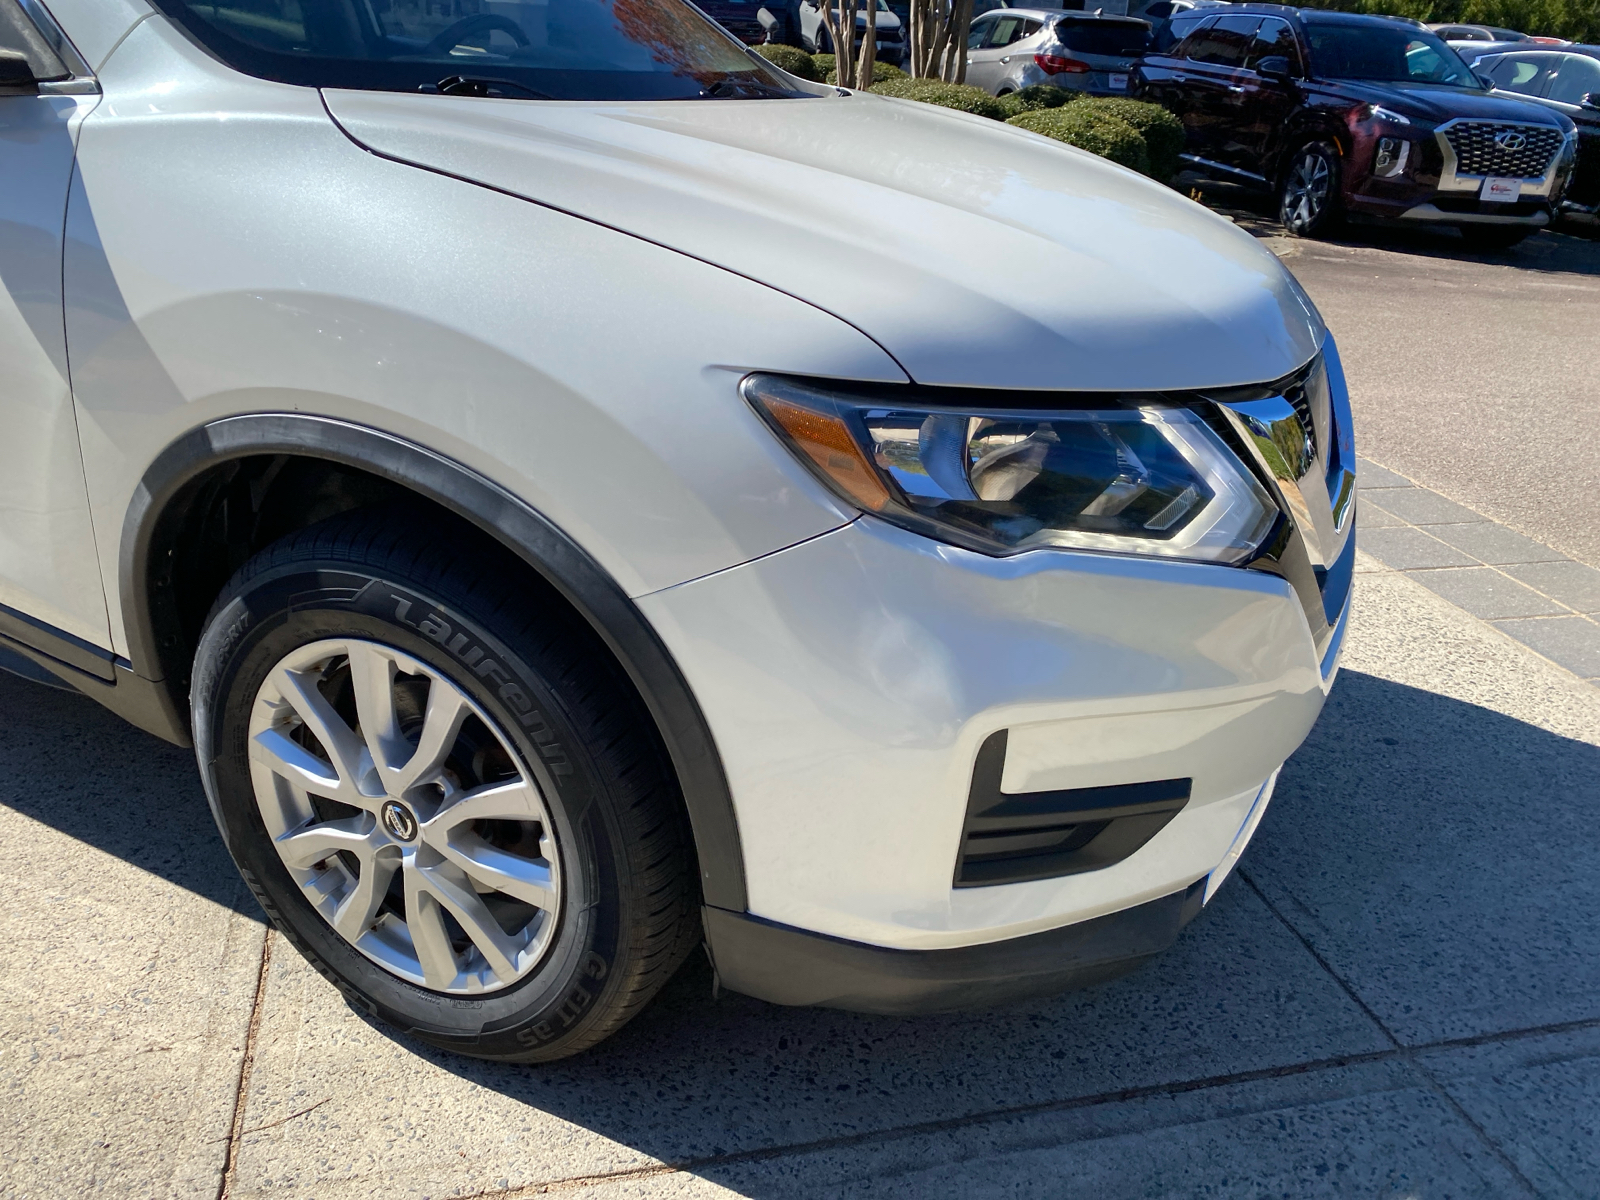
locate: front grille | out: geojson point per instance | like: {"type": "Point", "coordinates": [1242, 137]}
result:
{"type": "Point", "coordinates": [1478, 152]}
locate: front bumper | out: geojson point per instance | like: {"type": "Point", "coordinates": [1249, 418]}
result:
{"type": "Point", "coordinates": [1447, 189]}
{"type": "Point", "coordinates": [937, 756]}
{"type": "Point", "coordinates": [785, 965]}
{"type": "Point", "coordinates": [1533, 217]}
{"type": "Point", "coordinates": [1420, 204]}
{"type": "Point", "coordinates": [849, 683]}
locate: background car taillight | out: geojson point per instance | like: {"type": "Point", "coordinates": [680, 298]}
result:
{"type": "Point", "coordinates": [1056, 64]}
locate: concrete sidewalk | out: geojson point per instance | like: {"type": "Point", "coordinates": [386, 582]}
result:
{"type": "Point", "coordinates": [1399, 994]}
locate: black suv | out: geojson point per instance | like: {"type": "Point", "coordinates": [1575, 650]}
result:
{"type": "Point", "coordinates": [1343, 114]}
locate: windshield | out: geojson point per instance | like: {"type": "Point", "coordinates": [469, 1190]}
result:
{"type": "Point", "coordinates": [529, 49]}
{"type": "Point", "coordinates": [1385, 53]}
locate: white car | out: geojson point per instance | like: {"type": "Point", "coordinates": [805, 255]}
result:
{"type": "Point", "coordinates": [585, 494]}
{"type": "Point", "coordinates": [892, 44]}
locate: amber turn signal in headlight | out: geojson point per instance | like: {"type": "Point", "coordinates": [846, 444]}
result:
{"type": "Point", "coordinates": [1138, 478]}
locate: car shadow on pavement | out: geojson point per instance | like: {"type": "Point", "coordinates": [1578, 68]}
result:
{"type": "Point", "coordinates": [74, 766]}
{"type": "Point", "coordinates": [1556, 252]}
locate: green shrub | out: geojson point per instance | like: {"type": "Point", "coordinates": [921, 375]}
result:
{"type": "Point", "coordinates": [881, 72]}
{"type": "Point", "coordinates": [788, 58]}
{"type": "Point", "coordinates": [946, 95]}
{"type": "Point", "coordinates": [1162, 132]}
{"type": "Point", "coordinates": [1036, 98]}
{"type": "Point", "coordinates": [1080, 125]}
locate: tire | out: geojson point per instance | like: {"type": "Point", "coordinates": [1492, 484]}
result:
{"type": "Point", "coordinates": [1309, 202]}
{"type": "Point", "coordinates": [540, 875]}
{"type": "Point", "coordinates": [1493, 237]}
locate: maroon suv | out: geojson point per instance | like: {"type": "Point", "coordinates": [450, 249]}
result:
{"type": "Point", "coordinates": [1342, 115]}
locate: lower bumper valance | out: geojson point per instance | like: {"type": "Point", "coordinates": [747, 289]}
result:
{"type": "Point", "coordinates": [785, 965]}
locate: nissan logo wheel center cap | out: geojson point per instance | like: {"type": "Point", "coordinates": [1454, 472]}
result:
{"type": "Point", "coordinates": [399, 820]}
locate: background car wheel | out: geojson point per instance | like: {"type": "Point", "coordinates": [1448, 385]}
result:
{"type": "Point", "coordinates": [442, 789]}
{"type": "Point", "coordinates": [1308, 196]}
{"type": "Point", "coordinates": [1493, 237]}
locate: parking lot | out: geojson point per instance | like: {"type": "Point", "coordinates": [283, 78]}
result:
{"type": "Point", "coordinates": [1398, 994]}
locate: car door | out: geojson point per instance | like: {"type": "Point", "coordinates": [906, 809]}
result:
{"type": "Point", "coordinates": [1266, 102]}
{"type": "Point", "coordinates": [1215, 92]}
{"type": "Point", "coordinates": [988, 54]}
{"type": "Point", "coordinates": [50, 592]}
{"type": "Point", "coordinates": [1163, 77]}
{"type": "Point", "coordinates": [1576, 78]}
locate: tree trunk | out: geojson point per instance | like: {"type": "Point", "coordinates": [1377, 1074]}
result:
{"type": "Point", "coordinates": [939, 31]}
{"type": "Point", "coordinates": [841, 27]}
{"type": "Point", "coordinates": [869, 46]}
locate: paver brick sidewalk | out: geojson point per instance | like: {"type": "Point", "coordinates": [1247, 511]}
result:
{"type": "Point", "coordinates": [1524, 588]}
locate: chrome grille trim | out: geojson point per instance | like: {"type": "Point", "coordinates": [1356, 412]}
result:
{"type": "Point", "coordinates": [1295, 434]}
{"type": "Point", "coordinates": [1295, 394]}
{"type": "Point", "coordinates": [1471, 155]}
{"type": "Point", "coordinates": [1479, 152]}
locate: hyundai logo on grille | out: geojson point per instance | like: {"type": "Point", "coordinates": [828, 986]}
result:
{"type": "Point", "coordinates": [1511, 139]}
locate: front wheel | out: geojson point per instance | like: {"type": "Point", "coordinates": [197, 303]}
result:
{"type": "Point", "coordinates": [1308, 198]}
{"type": "Point", "coordinates": [441, 788]}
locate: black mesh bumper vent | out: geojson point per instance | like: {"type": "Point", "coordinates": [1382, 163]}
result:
{"type": "Point", "coordinates": [1012, 838]}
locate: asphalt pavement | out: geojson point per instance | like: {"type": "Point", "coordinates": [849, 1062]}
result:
{"type": "Point", "coordinates": [1476, 374]}
{"type": "Point", "coordinates": [1398, 993]}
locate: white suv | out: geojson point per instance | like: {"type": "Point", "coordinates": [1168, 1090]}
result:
{"type": "Point", "coordinates": [586, 494]}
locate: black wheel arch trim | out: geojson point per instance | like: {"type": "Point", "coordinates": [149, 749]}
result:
{"type": "Point", "coordinates": [532, 537]}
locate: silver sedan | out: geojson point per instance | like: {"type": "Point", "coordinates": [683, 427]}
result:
{"type": "Point", "coordinates": [1013, 48]}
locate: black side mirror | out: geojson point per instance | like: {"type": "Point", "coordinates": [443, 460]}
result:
{"type": "Point", "coordinates": [1274, 66]}
{"type": "Point", "coordinates": [1590, 100]}
{"type": "Point", "coordinates": [1484, 79]}
{"type": "Point", "coordinates": [16, 75]}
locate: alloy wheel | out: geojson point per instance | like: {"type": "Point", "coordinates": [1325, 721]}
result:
{"type": "Point", "coordinates": [404, 816]}
{"type": "Point", "coordinates": [1305, 191]}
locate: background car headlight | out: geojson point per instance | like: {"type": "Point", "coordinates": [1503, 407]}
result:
{"type": "Point", "coordinates": [1376, 112]}
{"type": "Point", "coordinates": [1138, 478]}
{"type": "Point", "coordinates": [1391, 158]}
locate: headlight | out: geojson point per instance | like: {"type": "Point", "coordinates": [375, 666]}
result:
{"type": "Point", "coordinates": [1138, 478]}
{"type": "Point", "coordinates": [1376, 112]}
{"type": "Point", "coordinates": [1392, 156]}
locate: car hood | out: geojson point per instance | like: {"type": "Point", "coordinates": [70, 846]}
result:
{"type": "Point", "coordinates": [974, 252]}
{"type": "Point", "coordinates": [1431, 102]}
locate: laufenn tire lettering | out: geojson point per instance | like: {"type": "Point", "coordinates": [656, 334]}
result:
{"type": "Point", "coordinates": [417, 613]}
